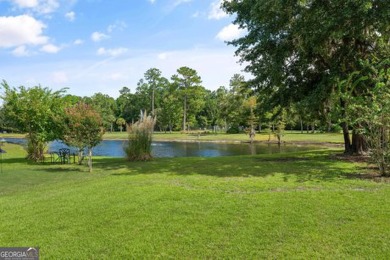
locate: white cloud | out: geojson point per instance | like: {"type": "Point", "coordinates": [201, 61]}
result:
{"type": "Point", "coordinates": [163, 55]}
{"type": "Point", "coordinates": [78, 42]}
{"type": "Point", "coordinates": [59, 77]}
{"type": "Point", "coordinates": [26, 3]}
{"type": "Point", "coordinates": [98, 36]}
{"type": "Point", "coordinates": [21, 30]}
{"type": "Point", "coordinates": [216, 13]}
{"type": "Point", "coordinates": [108, 75]}
{"type": "Point", "coordinates": [48, 6]}
{"type": "Point", "coordinates": [118, 25]}
{"type": "Point", "coordinates": [230, 32]}
{"type": "Point", "coordinates": [111, 52]}
{"type": "Point", "coordinates": [39, 6]}
{"type": "Point", "coordinates": [71, 16]}
{"type": "Point", "coordinates": [21, 51]}
{"type": "Point", "coordinates": [50, 48]}
{"type": "Point", "coordinates": [152, 1]}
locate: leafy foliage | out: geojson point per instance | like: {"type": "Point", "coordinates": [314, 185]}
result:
{"type": "Point", "coordinates": [371, 112]}
{"type": "Point", "coordinates": [106, 107]}
{"type": "Point", "coordinates": [188, 84]}
{"type": "Point", "coordinates": [36, 111]}
{"type": "Point", "coordinates": [120, 122]}
{"type": "Point", "coordinates": [83, 129]}
{"type": "Point", "coordinates": [170, 108]}
{"type": "Point", "coordinates": [300, 50]}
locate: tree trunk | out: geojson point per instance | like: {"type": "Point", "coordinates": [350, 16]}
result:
{"type": "Point", "coordinates": [252, 134]}
{"type": "Point", "coordinates": [90, 159]}
{"type": "Point", "coordinates": [301, 125]}
{"type": "Point", "coordinates": [344, 125]}
{"type": "Point", "coordinates": [185, 113]}
{"type": "Point", "coordinates": [80, 156]}
{"type": "Point", "coordinates": [359, 144]}
{"type": "Point", "coordinates": [347, 140]}
{"type": "Point", "coordinates": [153, 102]}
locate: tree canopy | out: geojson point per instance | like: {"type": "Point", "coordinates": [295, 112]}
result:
{"type": "Point", "coordinates": [83, 128]}
{"type": "Point", "coordinates": [301, 50]}
{"type": "Point", "coordinates": [188, 83]}
{"type": "Point", "coordinates": [36, 111]}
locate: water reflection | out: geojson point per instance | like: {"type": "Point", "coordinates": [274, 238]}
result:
{"type": "Point", "coordinates": [114, 148]}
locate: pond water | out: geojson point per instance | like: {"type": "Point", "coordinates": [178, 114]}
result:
{"type": "Point", "coordinates": [114, 148]}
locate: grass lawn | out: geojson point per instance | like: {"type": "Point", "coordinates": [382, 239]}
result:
{"type": "Point", "coordinates": [304, 205]}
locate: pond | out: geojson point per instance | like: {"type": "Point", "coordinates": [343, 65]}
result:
{"type": "Point", "coordinates": [114, 148]}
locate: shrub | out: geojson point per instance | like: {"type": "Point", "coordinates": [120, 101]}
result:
{"type": "Point", "coordinates": [139, 147]}
{"type": "Point", "coordinates": [235, 129]}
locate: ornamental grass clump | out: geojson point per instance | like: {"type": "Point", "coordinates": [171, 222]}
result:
{"type": "Point", "coordinates": [140, 139]}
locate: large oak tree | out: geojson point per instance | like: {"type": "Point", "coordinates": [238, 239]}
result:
{"type": "Point", "coordinates": [302, 49]}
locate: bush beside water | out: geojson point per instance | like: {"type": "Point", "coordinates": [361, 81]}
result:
{"type": "Point", "coordinates": [140, 139]}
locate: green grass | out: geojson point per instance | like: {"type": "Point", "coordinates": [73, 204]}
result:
{"type": "Point", "coordinates": [304, 205]}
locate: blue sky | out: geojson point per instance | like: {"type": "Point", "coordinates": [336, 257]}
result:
{"type": "Point", "coordinates": [92, 46]}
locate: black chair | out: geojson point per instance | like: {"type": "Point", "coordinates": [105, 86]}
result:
{"type": "Point", "coordinates": [64, 154]}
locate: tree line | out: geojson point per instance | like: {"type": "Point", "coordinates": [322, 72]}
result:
{"type": "Point", "coordinates": [179, 104]}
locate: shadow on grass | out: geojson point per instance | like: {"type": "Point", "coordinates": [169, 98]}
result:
{"type": "Point", "coordinates": [303, 166]}
{"type": "Point", "coordinates": [59, 169]}
{"type": "Point", "coordinates": [14, 160]}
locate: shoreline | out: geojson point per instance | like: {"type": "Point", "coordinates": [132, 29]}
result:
{"type": "Point", "coordinates": [200, 140]}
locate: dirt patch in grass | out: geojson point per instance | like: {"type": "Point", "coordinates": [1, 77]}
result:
{"type": "Point", "coordinates": [282, 159]}
{"type": "Point", "coordinates": [351, 158]}
{"type": "Point", "coordinates": [370, 171]}
{"type": "Point", "coordinates": [373, 176]}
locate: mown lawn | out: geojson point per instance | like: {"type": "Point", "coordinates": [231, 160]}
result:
{"type": "Point", "coordinates": [304, 205]}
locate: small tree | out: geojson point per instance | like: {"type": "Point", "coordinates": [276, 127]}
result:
{"type": "Point", "coordinates": [280, 126]}
{"type": "Point", "coordinates": [375, 118]}
{"type": "Point", "coordinates": [370, 113]}
{"type": "Point", "coordinates": [37, 112]}
{"type": "Point", "coordinates": [120, 122]}
{"type": "Point", "coordinates": [250, 103]}
{"type": "Point", "coordinates": [140, 139]}
{"type": "Point", "coordinates": [83, 129]}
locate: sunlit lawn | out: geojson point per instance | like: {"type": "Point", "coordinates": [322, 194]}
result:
{"type": "Point", "coordinates": [303, 205]}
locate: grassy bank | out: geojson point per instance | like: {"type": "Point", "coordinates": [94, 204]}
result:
{"type": "Point", "coordinates": [290, 136]}
{"type": "Point", "coordinates": [303, 205]}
